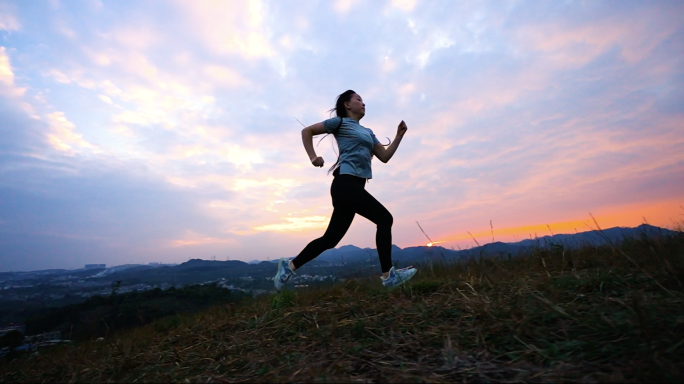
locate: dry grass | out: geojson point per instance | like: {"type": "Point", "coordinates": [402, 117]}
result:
{"type": "Point", "coordinates": [596, 314]}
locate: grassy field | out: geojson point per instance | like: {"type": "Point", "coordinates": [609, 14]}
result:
{"type": "Point", "coordinates": [606, 314]}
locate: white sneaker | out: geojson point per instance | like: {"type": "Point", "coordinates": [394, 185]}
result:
{"type": "Point", "coordinates": [398, 277]}
{"type": "Point", "coordinates": [283, 275]}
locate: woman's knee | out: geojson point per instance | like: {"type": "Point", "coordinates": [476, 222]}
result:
{"type": "Point", "coordinates": [387, 220]}
{"type": "Point", "coordinates": [329, 242]}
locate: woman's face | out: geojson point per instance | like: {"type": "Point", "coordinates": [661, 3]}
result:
{"type": "Point", "coordinates": [355, 106]}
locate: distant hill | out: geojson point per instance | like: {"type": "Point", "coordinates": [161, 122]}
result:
{"type": "Point", "coordinates": [198, 269]}
{"type": "Point", "coordinates": [351, 254]}
{"type": "Point", "coordinates": [200, 263]}
{"type": "Point", "coordinates": [119, 268]}
{"type": "Point", "coordinates": [615, 234]}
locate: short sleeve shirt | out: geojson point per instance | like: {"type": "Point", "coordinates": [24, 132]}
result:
{"type": "Point", "coordinates": [356, 144]}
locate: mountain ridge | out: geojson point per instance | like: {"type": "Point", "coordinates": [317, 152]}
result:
{"type": "Point", "coordinates": [353, 254]}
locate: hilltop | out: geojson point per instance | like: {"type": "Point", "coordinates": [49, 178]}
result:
{"type": "Point", "coordinates": [592, 313]}
{"type": "Point", "coordinates": [352, 254]}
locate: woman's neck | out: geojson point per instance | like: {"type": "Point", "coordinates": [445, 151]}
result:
{"type": "Point", "coordinates": [354, 117]}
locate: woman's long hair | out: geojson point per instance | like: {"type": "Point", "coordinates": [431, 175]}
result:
{"type": "Point", "coordinates": [339, 109]}
{"type": "Point", "coordinates": [341, 112]}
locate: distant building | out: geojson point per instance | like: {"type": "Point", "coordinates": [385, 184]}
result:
{"type": "Point", "coordinates": [95, 266]}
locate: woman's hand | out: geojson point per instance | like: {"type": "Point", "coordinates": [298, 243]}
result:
{"type": "Point", "coordinates": [385, 154]}
{"type": "Point", "coordinates": [401, 129]}
{"type": "Point", "coordinates": [307, 139]}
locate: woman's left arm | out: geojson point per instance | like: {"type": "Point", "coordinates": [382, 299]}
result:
{"type": "Point", "coordinates": [385, 154]}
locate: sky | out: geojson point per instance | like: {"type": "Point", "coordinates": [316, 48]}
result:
{"type": "Point", "coordinates": [159, 131]}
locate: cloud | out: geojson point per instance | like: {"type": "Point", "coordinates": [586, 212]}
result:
{"type": "Point", "coordinates": [6, 74]}
{"type": "Point", "coordinates": [296, 224]}
{"type": "Point", "coordinates": [573, 42]}
{"type": "Point", "coordinates": [136, 38]}
{"type": "Point", "coordinates": [59, 76]}
{"type": "Point", "coordinates": [7, 85]}
{"type": "Point", "coordinates": [129, 117]}
{"type": "Point", "coordinates": [344, 6]}
{"type": "Point", "coordinates": [104, 98]}
{"type": "Point", "coordinates": [225, 76]}
{"type": "Point", "coordinates": [63, 137]}
{"type": "Point", "coordinates": [230, 27]}
{"type": "Point", "coordinates": [405, 5]}
{"type": "Point", "coordinates": [123, 130]}
{"type": "Point", "coordinates": [102, 215]}
{"type": "Point", "coordinates": [66, 212]}
{"type": "Point", "coordinates": [8, 20]}
{"type": "Point", "coordinates": [241, 157]}
{"type": "Point", "coordinates": [193, 239]}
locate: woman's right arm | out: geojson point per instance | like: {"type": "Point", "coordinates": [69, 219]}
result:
{"type": "Point", "coordinates": [307, 138]}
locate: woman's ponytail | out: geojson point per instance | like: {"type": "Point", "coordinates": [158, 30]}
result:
{"type": "Point", "coordinates": [341, 112]}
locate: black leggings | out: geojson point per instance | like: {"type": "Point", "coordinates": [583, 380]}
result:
{"type": "Point", "coordinates": [350, 197]}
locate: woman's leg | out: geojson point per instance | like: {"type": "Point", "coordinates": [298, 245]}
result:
{"type": "Point", "coordinates": [367, 206]}
{"type": "Point", "coordinates": [340, 222]}
{"type": "Point", "coordinates": [349, 198]}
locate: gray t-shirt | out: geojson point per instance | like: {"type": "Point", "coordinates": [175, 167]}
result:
{"type": "Point", "coordinates": [356, 144]}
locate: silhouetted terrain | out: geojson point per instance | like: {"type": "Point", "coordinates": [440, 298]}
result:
{"type": "Point", "coordinates": [591, 313]}
{"type": "Point", "coordinates": [25, 294]}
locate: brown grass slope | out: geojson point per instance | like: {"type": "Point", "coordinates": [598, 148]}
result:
{"type": "Point", "coordinates": [611, 313]}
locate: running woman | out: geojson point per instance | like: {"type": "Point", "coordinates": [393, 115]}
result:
{"type": "Point", "coordinates": [357, 146]}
